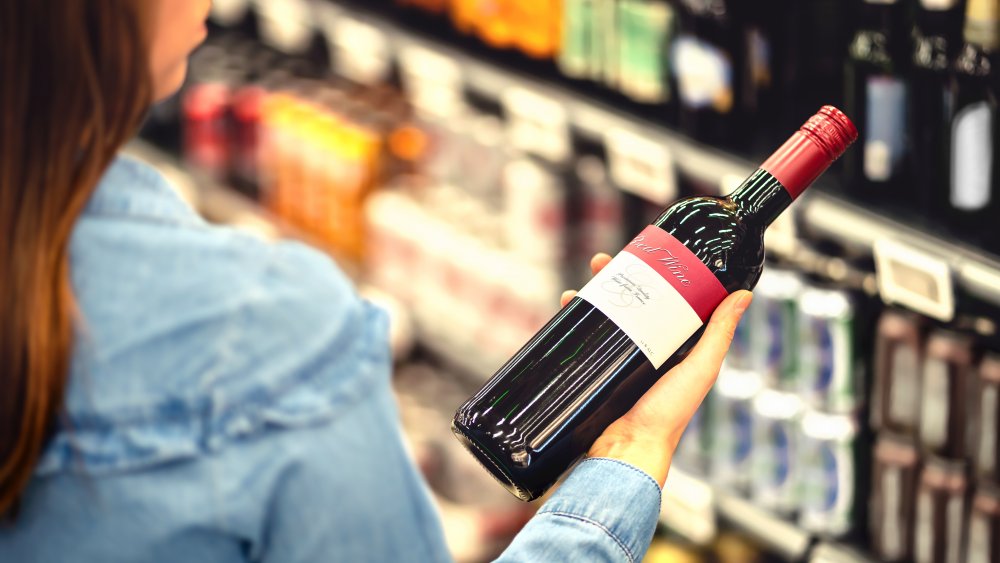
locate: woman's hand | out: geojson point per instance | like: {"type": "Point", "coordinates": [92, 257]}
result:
{"type": "Point", "coordinates": [647, 435]}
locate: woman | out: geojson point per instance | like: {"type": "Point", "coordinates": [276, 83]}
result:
{"type": "Point", "coordinates": [174, 391]}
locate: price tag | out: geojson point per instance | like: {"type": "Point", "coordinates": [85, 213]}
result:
{"type": "Point", "coordinates": [229, 12]}
{"type": "Point", "coordinates": [536, 124]}
{"type": "Point", "coordinates": [286, 25]}
{"type": "Point", "coordinates": [433, 81]}
{"type": "Point", "coordinates": [688, 507]}
{"type": "Point", "coordinates": [915, 279]}
{"type": "Point", "coordinates": [360, 51]}
{"type": "Point", "coordinates": [641, 166]}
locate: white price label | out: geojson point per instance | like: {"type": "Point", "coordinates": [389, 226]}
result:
{"type": "Point", "coordinates": [537, 124]}
{"type": "Point", "coordinates": [433, 81]}
{"type": "Point", "coordinates": [688, 507]}
{"type": "Point", "coordinates": [229, 12]}
{"type": "Point", "coordinates": [360, 51]}
{"type": "Point", "coordinates": [915, 279]}
{"type": "Point", "coordinates": [286, 25]}
{"type": "Point", "coordinates": [641, 166]}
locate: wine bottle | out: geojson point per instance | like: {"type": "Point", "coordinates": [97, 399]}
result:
{"type": "Point", "coordinates": [972, 185]}
{"type": "Point", "coordinates": [636, 319]}
{"type": "Point", "coordinates": [646, 28]}
{"type": "Point", "coordinates": [707, 70]}
{"type": "Point", "coordinates": [936, 42]}
{"type": "Point", "coordinates": [877, 97]}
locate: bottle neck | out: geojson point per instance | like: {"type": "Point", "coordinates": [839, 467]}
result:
{"type": "Point", "coordinates": [760, 198]}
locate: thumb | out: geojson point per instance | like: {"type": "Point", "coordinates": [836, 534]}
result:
{"type": "Point", "coordinates": [711, 349]}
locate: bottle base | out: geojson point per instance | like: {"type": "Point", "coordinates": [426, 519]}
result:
{"type": "Point", "coordinates": [497, 470]}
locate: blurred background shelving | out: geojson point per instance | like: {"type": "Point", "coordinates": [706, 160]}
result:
{"type": "Point", "coordinates": [463, 159]}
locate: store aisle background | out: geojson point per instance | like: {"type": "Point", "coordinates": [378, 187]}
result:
{"type": "Point", "coordinates": [463, 159]}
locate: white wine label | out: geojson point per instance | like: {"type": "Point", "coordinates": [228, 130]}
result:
{"type": "Point", "coordinates": [986, 452]}
{"type": "Point", "coordinates": [893, 533]}
{"type": "Point", "coordinates": [972, 157]}
{"type": "Point", "coordinates": [979, 540]}
{"type": "Point", "coordinates": [885, 135]}
{"type": "Point", "coordinates": [954, 518]}
{"type": "Point", "coordinates": [904, 396]}
{"type": "Point", "coordinates": [934, 404]}
{"type": "Point", "coordinates": [923, 546]}
{"type": "Point", "coordinates": [657, 291]}
{"type": "Point", "coordinates": [704, 74]}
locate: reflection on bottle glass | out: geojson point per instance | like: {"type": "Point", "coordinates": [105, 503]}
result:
{"type": "Point", "coordinates": [972, 157]}
{"type": "Point", "coordinates": [885, 136]}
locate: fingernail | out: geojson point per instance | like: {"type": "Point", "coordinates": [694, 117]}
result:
{"type": "Point", "coordinates": [568, 294]}
{"type": "Point", "coordinates": [742, 302]}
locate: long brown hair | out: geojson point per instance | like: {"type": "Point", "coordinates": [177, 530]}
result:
{"type": "Point", "coordinates": [74, 86]}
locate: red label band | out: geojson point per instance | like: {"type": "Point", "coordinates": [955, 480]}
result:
{"type": "Point", "coordinates": [688, 275]}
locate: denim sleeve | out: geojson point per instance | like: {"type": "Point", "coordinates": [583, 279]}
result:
{"type": "Point", "coordinates": [606, 510]}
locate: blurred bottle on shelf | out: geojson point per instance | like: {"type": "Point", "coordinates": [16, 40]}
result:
{"type": "Point", "coordinates": [646, 29]}
{"type": "Point", "coordinates": [706, 64]}
{"type": "Point", "coordinates": [986, 435]}
{"type": "Point", "coordinates": [936, 43]}
{"type": "Point", "coordinates": [945, 393]}
{"type": "Point", "coordinates": [580, 53]}
{"type": "Point", "coordinates": [983, 543]}
{"type": "Point", "coordinates": [810, 42]}
{"type": "Point", "coordinates": [898, 360]}
{"type": "Point", "coordinates": [598, 225]}
{"type": "Point", "coordinates": [972, 188]}
{"type": "Point", "coordinates": [534, 214]}
{"type": "Point", "coordinates": [878, 97]}
{"type": "Point", "coordinates": [939, 529]}
{"type": "Point", "coordinates": [893, 502]}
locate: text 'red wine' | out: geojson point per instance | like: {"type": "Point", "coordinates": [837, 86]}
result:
{"type": "Point", "coordinates": [635, 319]}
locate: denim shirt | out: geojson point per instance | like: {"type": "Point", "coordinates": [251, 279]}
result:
{"type": "Point", "coordinates": [230, 401]}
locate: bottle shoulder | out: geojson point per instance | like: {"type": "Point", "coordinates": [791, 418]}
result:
{"type": "Point", "coordinates": [714, 231]}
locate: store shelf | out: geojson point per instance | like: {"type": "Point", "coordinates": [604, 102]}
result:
{"type": "Point", "coordinates": [694, 509]}
{"type": "Point", "coordinates": [818, 213]}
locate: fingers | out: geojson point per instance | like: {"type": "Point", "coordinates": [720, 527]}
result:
{"type": "Point", "coordinates": [707, 355]}
{"type": "Point", "coordinates": [567, 296]}
{"type": "Point", "coordinates": [598, 262]}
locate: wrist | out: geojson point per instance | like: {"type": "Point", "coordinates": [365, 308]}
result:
{"type": "Point", "coordinates": [651, 456]}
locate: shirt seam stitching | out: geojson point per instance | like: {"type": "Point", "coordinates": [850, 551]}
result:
{"type": "Point", "coordinates": [621, 545]}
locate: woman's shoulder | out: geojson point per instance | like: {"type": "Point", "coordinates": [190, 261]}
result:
{"type": "Point", "coordinates": [191, 334]}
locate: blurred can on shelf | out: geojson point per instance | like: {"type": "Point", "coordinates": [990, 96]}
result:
{"type": "Point", "coordinates": [892, 503]}
{"type": "Point", "coordinates": [828, 470]}
{"type": "Point", "coordinates": [828, 376]}
{"type": "Point", "coordinates": [774, 481]}
{"type": "Point", "coordinates": [733, 414]}
{"type": "Point", "coordinates": [941, 503]}
{"type": "Point", "coordinates": [773, 330]}
{"type": "Point", "coordinates": [983, 544]}
{"type": "Point", "coordinates": [740, 354]}
{"type": "Point", "coordinates": [694, 450]}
